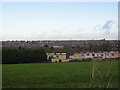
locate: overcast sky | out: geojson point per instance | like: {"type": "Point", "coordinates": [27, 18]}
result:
{"type": "Point", "coordinates": [59, 21]}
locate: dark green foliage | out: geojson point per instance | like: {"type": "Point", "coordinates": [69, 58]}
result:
{"type": "Point", "coordinates": [51, 48]}
{"type": "Point", "coordinates": [102, 47]}
{"type": "Point", "coordinates": [45, 45]}
{"type": "Point", "coordinates": [75, 60]}
{"type": "Point", "coordinates": [87, 59]}
{"type": "Point", "coordinates": [22, 55]}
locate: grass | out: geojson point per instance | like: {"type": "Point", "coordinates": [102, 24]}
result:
{"type": "Point", "coordinates": [61, 75]}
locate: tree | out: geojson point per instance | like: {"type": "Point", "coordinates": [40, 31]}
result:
{"type": "Point", "coordinates": [14, 55]}
{"type": "Point", "coordinates": [45, 45]}
{"type": "Point", "coordinates": [51, 48]}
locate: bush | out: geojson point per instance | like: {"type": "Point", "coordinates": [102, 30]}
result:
{"type": "Point", "coordinates": [75, 60]}
{"type": "Point", "coordinates": [87, 59]}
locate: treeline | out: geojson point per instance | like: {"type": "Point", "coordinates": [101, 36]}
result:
{"type": "Point", "coordinates": [12, 55]}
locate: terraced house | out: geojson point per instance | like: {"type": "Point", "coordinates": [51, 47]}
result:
{"type": "Point", "coordinates": [96, 55]}
{"type": "Point", "coordinates": [62, 57]}
{"type": "Point", "coordinates": [57, 57]}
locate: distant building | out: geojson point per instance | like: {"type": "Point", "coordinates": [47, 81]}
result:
{"type": "Point", "coordinates": [62, 57]}
{"type": "Point", "coordinates": [57, 57]}
{"type": "Point", "coordinates": [58, 47]}
{"type": "Point", "coordinates": [96, 55]}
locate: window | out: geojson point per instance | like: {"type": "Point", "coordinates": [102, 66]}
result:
{"type": "Point", "coordinates": [57, 56]}
{"type": "Point", "coordinates": [97, 54]}
{"type": "Point", "coordinates": [93, 54]}
{"type": "Point", "coordinates": [82, 54]}
{"type": "Point", "coordinates": [60, 60]}
{"type": "Point", "coordinates": [107, 54]}
{"type": "Point", "coordinates": [87, 54]}
{"type": "Point", "coordinates": [112, 54]}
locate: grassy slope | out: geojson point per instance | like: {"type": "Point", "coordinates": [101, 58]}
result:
{"type": "Point", "coordinates": [62, 75]}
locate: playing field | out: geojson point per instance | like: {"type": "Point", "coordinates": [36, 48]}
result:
{"type": "Point", "coordinates": [101, 74]}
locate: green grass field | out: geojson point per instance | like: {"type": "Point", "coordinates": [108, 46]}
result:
{"type": "Point", "coordinates": [61, 75]}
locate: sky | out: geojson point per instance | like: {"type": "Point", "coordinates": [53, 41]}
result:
{"type": "Point", "coordinates": [59, 20]}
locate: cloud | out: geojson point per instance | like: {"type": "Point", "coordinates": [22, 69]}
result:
{"type": "Point", "coordinates": [109, 30]}
{"type": "Point", "coordinates": [107, 25]}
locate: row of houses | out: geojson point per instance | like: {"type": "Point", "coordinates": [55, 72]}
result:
{"type": "Point", "coordinates": [57, 57]}
{"type": "Point", "coordinates": [62, 44]}
{"type": "Point", "coordinates": [63, 57]}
